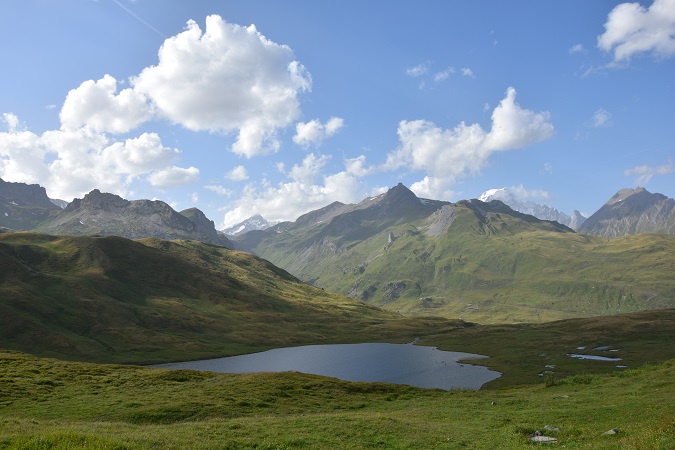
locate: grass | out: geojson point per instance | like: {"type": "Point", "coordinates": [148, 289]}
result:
{"type": "Point", "coordinates": [55, 404]}
{"type": "Point", "coordinates": [524, 352]}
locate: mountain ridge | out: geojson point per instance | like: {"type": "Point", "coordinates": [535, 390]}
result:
{"type": "Point", "coordinates": [109, 214]}
{"type": "Point", "coordinates": [632, 211]}
{"type": "Point", "coordinates": [24, 206]}
{"type": "Point", "coordinates": [472, 259]}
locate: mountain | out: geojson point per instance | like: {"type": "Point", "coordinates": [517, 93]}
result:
{"type": "Point", "coordinates": [108, 214]}
{"type": "Point", "coordinates": [24, 206]}
{"type": "Point", "coordinates": [544, 212]}
{"type": "Point", "coordinates": [632, 211]}
{"type": "Point", "coordinates": [111, 299]}
{"type": "Point", "coordinates": [256, 222]}
{"type": "Point", "coordinates": [481, 261]}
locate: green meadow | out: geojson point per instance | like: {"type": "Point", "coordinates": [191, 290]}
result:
{"type": "Point", "coordinates": [53, 404]}
{"type": "Point", "coordinates": [78, 314]}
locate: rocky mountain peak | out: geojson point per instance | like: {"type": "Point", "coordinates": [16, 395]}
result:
{"type": "Point", "coordinates": [632, 211]}
{"type": "Point", "coordinates": [24, 206]}
{"type": "Point", "coordinates": [98, 200]}
{"type": "Point", "coordinates": [25, 194]}
{"type": "Point", "coordinates": [623, 194]}
{"type": "Point", "coordinates": [399, 193]}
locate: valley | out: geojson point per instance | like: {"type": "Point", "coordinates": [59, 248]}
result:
{"type": "Point", "coordinates": [580, 327]}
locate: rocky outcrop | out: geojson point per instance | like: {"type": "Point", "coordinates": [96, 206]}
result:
{"type": "Point", "coordinates": [24, 206]}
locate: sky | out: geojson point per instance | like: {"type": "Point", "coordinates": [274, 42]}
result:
{"type": "Point", "coordinates": [280, 107]}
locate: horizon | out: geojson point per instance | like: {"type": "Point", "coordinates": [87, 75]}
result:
{"type": "Point", "coordinates": [280, 108]}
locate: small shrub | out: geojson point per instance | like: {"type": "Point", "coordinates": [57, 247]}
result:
{"type": "Point", "coordinates": [549, 380]}
{"type": "Point", "coordinates": [580, 379]}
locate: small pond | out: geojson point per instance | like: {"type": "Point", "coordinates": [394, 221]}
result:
{"type": "Point", "coordinates": [593, 357]}
{"type": "Point", "coordinates": [420, 366]}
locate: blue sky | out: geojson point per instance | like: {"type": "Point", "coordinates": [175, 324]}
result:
{"type": "Point", "coordinates": [281, 107]}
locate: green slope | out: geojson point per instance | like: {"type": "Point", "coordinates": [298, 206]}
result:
{"type": "Point", "coordinates": [60, 405]}
{"type": "Point", "coordinates": [111, 299]}
{"type": "Point", "coordinates": [479, 261]}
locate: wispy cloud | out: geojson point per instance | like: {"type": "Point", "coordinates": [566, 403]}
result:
{"type": "Point", "coordinates": [468, 72]}
{"type": "Point", "coordinates": [601, 118]}
{"type": "Point", "coordinates": [645, 173]}
{"type": "Point", "coordinates": [418, 70]}
{"type": "Point", "coordinates": [578, 48]}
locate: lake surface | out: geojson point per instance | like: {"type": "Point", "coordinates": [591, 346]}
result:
{"type": "Point", "coordinates": [415, 365]}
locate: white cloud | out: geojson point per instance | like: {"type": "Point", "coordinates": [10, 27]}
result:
{"type": "Point", "coordinates": [310, 168]}
{"type": "Point", "coordinates": [333, 125]}
{"type": "Point", "coordinates": [577, 48]}
{"type": "Point", "coordinates": [239, 173]}
{"type": "Point", "coordinates": [521, 194]}
{"type": "Point", "coordinates": [548, 168]}
{"type": "Point", "coordinates": [418, 70]}
{"type": "Point", "coordinates": [443, 75]}
{"type": "Point", "coordinates": [357, 166]}
{"type": "Point", "coordinates": [95, 104]}
{"type": "Point", "coordinates": [194, 197]}
{"type": "Point", "coordinates": [289, 200]}
{"type": "Point", "coordinates": [71, 162]}
{"type": "Point", "coordinates": [646, 173]}
{"type": "Point", "coordinates": [173, 176]}
{"type": "Point", "coordinates": [21, 155]}
{"type": "Point", "coordinates": [631, 29]}
{"type": "Point", "coordinates": [601, 118]}
{"type": "Point", "coordinates": [220, 190]}
{"type": "Point", "coordinates": [432, 187]}
{"type": "Point", "coordinates": [447, 155]}
{"type": "Point", "coordinates": [225, 79]}
{"type": "Point", "coordinates": [139, 155]}
{"type": "Point", "coordinates": [314, 132]}
{"type": "Point", "coordinates": [12, 122]}
{"type": "Point", "coordinates": [468, 72]}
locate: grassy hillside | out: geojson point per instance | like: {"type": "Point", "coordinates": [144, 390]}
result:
{"type": "Point", "coordinates": [528, 353]}
{"type": "Point", "coordinates": [482, 264]}
{"type": "Point", "coordinates": [60, 405]}
{"type": "Point", "coordinates": [111, 299]}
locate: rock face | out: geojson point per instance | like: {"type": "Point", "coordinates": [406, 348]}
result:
{"type": "Point", "coordinates": [111, 215]}
{"type": "Point", "coordinates": [24, 206]}
{"type": "Point", "coordinates": [632, 211]}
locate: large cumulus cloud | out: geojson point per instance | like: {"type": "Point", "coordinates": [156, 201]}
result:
{"type": "Point", "coordinates": [224, 79]}
{"type": "Point", "coordinates": [447, 155]}
{"type": "Point", "coordinates": [632, 29]}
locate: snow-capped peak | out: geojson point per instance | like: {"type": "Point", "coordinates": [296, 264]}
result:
{"type": "Point", "coordinates": [540, 211]}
